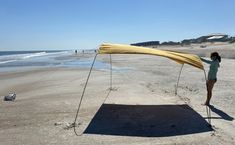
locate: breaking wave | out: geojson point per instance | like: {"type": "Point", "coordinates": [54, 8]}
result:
{"type": "Point", "coordinates": [8, 58]}
{"type": "Point", "coordinates": [16, 57]}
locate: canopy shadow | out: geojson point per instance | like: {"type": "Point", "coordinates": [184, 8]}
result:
{"type": "Point", "coordinates": [147, 121]}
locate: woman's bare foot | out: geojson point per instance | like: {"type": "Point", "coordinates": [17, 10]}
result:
{"type": "Point", "coordinates": [206, 104]}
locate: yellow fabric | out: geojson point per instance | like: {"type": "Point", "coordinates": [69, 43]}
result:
{"type": "Point", "coordinates": [179, 57]}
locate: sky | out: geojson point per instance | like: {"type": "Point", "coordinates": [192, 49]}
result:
{"type": "Point", "coordinates": [85, 24]}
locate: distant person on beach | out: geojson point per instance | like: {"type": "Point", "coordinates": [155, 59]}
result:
{"type": "Point", "coordinates": [212, 74]}
{"type": "Point", "coordinates": [76, 51]}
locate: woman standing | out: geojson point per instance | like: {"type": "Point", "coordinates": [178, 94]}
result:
{"type": "Point", "coordinates": [212, 74]}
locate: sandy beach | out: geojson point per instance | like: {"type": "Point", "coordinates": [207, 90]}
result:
{"type": "Point", "coordinates": [141, 109]}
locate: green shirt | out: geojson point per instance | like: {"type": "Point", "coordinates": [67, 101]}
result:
{"type": "Point", "coordinates": [214, 65]}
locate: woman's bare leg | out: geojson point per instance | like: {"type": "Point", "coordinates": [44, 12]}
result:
{"type": "Point", "coordinates": [210, 85]}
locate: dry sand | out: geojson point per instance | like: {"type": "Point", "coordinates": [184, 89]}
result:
{"type": "Point", "coordinates": [142, 109]}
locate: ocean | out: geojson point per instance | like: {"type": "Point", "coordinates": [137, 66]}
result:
{"type": "Point", "coordinates": [11, 61]}
{"type": "Point", "coordinates": [21, 60]}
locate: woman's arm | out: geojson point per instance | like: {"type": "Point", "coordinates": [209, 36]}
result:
{"type": "Point", "coordinates": [206, 61]}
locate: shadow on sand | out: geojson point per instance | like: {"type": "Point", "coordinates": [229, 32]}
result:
{"type": "Point", "coordinates": [222, 114]}
{"type": "Point", "coordinates": [147, 121]}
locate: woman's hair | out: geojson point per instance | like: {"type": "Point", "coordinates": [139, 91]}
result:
{"type": "Point", "coordinates": [216, 55]}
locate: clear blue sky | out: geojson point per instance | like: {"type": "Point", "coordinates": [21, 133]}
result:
{"type": "Point", "coordinates": [85, 24]}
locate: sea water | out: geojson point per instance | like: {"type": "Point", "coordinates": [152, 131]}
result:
{"type": "Point", "coordinates": [22, 60]}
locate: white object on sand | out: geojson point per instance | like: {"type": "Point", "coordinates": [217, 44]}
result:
{"type": "Point", "coordinates": [10, 97]}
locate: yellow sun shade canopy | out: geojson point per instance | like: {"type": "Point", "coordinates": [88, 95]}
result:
{"type": "Point", "coordinates": [179, 57]}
